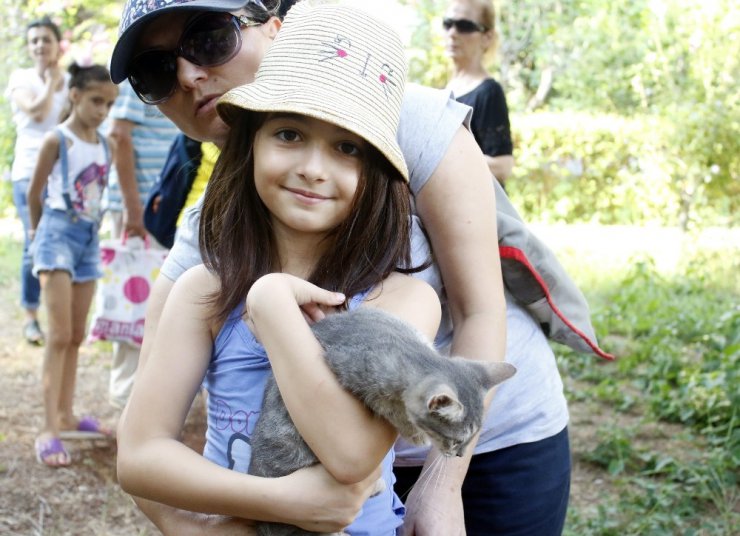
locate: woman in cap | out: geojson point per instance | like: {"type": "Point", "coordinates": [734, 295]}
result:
{"type": "Point", "coordinates": [444, 164]}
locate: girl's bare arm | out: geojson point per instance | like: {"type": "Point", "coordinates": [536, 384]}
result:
{"type": "Point", "coordinates": [48, 155]}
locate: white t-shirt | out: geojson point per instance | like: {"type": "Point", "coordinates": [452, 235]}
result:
{"type": "Point", "coordinates": [528, 407]}
{"type": "Point", "coordinates": [87, 176]}
{"type": "Point", "coordinates": [30, 133]}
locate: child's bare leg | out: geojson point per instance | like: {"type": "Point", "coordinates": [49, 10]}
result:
{"type": "Point", "coordinates": [57, 290]}
{"type": "Point", "coordinates": [82, 295]}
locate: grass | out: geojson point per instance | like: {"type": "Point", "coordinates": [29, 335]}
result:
{"type": "Point", "coordinates": [677, 335]}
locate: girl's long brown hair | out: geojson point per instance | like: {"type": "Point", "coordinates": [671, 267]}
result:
{"type": "Point", "coordinates": [237, 243]}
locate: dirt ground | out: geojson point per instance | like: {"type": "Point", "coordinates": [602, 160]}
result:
{"type": "Point", "coordinates": [85, 499]}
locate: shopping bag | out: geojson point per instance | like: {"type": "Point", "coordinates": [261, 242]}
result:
{"type": "Point", "coordinates": [129, 270]}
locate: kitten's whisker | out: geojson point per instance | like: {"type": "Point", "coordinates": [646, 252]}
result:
{"type": "Point", "coordinates": [440, 473]}
{"type": "Point", "coordinates": [430, 474]}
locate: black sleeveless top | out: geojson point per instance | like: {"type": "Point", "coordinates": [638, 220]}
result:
{"type": "Point", "coordinates": [490, 122]}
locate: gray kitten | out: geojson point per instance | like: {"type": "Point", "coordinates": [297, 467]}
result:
{"type": "Point", "coordinates": [399, 376]}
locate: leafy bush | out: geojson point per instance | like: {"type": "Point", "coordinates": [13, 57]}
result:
{"type": "Point", "coordinates": [607, 169]}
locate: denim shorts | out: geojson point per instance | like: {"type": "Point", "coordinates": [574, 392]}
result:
{"type": "Point", "coordinates": [64, 243]}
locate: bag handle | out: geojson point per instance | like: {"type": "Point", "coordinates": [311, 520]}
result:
{"type": "Point", "coordinates": [146, 240]}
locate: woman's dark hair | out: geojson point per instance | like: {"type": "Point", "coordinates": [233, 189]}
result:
{"type": "Point", "coordinates": [82, 77]}
{"type": "Point", "coordinates": [237, 243]}
{"type": "Point", "coordinates": [272, 8]}
{"type": "Point", "coordinates": [45, 22]}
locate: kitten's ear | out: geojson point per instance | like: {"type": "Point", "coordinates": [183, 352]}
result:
{"type": "Point", "coordinates": [445, 404]}
{"type": "Point", "coordinates": [497, 372]}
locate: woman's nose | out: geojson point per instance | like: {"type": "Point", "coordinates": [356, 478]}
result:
{"type": "Point", "coordinates": [189, 74]}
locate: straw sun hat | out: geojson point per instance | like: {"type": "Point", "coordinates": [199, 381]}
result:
{"type": "Point", "coordinates": [335, 63]}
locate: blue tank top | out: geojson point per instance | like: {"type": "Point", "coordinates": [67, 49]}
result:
{"type": "Point", "coordinates": [235, 381]}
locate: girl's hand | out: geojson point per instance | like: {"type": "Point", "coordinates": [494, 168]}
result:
{"type": "Point", "coordinates": [272, 288]}
{"type": "Point", "coordinates": [319, 503]}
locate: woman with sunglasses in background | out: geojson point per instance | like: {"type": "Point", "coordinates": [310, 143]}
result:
{"type": "Point", "coordinates": [470, 39]}
{"type": "Point", "coordinates": [38, 96]}
{"type": "Point", "coordinates": [183, 56]}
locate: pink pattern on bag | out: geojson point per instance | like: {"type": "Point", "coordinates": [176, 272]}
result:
{"type": "Point", "coordinates": [136, 289]}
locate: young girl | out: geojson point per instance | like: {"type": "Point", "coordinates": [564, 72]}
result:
{"type": "Point", "coordinates": [307, 211]}
{"type": "Point", "coordinates": [65, 245]}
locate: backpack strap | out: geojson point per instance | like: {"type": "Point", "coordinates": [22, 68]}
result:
{"type": "Point", "coordinates": [63, 162]}
{"type": "Point", "coordinates": [108, 163]}
{"type": "Point", "coordinates": [535, 278]}
{"type": "Point", "coordinates": [106, 154]}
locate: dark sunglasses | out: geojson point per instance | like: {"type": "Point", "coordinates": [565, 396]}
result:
{"type": "Point", "coordinates": [463, 26]}
{"type": "Point", "coordinates": [208, 40]}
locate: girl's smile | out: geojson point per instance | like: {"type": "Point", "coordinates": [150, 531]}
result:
{"type": "Point", "coordinates": [310, 198]}
{"type": "Point", "coordinates": [306, 171]}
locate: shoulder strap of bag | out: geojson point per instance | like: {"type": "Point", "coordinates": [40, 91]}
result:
{"type": "Point", "coordinates": [106, 153]}
{"type": "Point", "coordinates": [64, 164]}
{"type": "Point", "coordinates": [535, 278]}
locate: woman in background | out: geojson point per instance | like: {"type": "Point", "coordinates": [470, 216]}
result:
{"type": "Point", "coordinates": [37, 97]}
{"type": "Point", "coordinates": [470, 37]}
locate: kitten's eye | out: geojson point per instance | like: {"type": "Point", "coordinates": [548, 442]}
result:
{"type": "Point", "coordinates": [288, 135]}
{"type": "Point", "coordinates": [349, 148]}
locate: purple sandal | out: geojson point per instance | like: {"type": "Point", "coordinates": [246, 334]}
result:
{"type": "Point", "coordinates": [87, 428]}
{"type": "Point", "coordinates": [47, 448]}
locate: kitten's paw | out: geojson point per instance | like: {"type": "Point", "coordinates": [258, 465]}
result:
{"type": "Point", "coordinates": [379, 487]}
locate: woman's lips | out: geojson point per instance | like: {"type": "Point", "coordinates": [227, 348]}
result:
{"type": "Point", "coordinates": [206, 104]}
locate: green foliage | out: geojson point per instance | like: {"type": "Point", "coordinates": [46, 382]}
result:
{"type": "Point", "coordinates": [683, 361]}
{"type": "Point", "coordinates": [612, 170]}
{"type": "Point", "coordinates": [673, 66]}
{"type": "Point", "coordinates": [428, 64]}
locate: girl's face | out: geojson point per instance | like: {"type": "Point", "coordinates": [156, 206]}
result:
{"type": "Point", "coordinates": [465, 46]}
{"type": "Point", "coordinates": [43, 46]}
{"type": "Point", "coordinates": [192, 107]}
{"type": "Point", "coordinates": [306, 172]}
{"type": "Point", "coordinates": [92, 104]}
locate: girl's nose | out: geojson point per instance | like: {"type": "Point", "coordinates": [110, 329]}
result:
{"type": "Point", "coordinates": [315, 164]}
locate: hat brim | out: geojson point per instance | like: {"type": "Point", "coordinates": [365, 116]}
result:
{"type": "Point", "coordinates": [126, 44]}
{"type": "Point", "coordinates": [261, 96]}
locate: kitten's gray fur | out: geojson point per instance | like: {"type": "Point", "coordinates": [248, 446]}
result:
{"type": "Point", "coordinates": [388, 365]}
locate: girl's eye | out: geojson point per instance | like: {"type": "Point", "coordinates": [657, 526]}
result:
{"type": "Point", "coordinates": [350, 149]}
{"type": "Point", "coordinates": [287, 135]}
